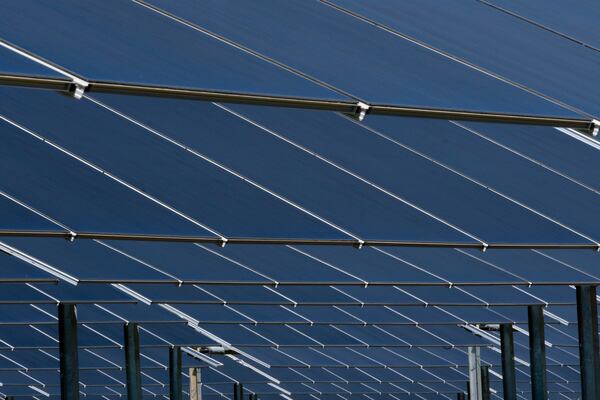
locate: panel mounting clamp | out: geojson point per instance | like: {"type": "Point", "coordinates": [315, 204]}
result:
{"type": "Point", "coordinates": [78, 88]}
{"type": "Point", "coordinates": [361, 110]}
{"type": "Point", "coordinates": [595, 127]}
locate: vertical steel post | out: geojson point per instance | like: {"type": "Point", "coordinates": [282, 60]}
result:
{"type": "Point", "coordinates": [474, 373]}
{"type": "Point", "coordinates": [132, 361]}
{"type": "Point", "coordinates": [175, 373]}
{"type": "Point", "coordinates": [537, 352]}
{"type": "Point", "coordinates": [194, 384]}
{"type": "Point", "coordinates": [587, 320]}
{"type": "Point", "coordinates": [509, 382]}
{"type": "Point", "coordinates": [485, 382]}
{"type": "Point", "coordinates": [69, 362]}
{"type": "Point", "coordinates": [238, 391]}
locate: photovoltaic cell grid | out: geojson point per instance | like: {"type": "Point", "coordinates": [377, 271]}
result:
{"type": "Point", "coordinates": [303, 321]}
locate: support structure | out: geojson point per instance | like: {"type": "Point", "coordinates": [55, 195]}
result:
{"type": "Point", "coordinates": [69, 360]}
{"type": "Point", "coordinates": [485, 383]}
{"type": "Point", "coordinates": [132, 361]}
{"type": "Point", "coordinates": [474, 373]}
{"type": "Point", "coordinates": [252, 396]}
{"type": "Point", "coordinates": [175, 373]}
{"type": "Point", "coordinates": [587, 320]}
{"type": "Point", "coordinates": [195, 393]}
{"type": "Point", "coordinates": [460, 396]}
{"type": "Point", "coordinates": [537, 352]}
{"type": "Point", "coordinates": [238, 391]}
{"type": "Point", "coordinates": [78, 86]}
{"type": "Point", "coordinates": [509, 382]}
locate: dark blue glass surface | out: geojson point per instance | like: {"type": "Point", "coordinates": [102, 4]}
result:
{"type": "Point", "coordinates": [87, 260]}
{"type": "Point", "coordinates": [356, 56]}
{"type": "Point", "coordinates": [577, 22]}
{"type": "Point", "coordinates": [533, 187]}
{"type": "Point", "coordinates": [393, 158]}
{"type": "Point", "coordinates": [321, 189]}
{"type": "Point", "coordinates": [80, 197]}
{"type": "Point", "coordinates": [14, 63]}
{"type": "Point", "coordinates": [162, 169]}
{"type": "Point", "coordinates": [493, 40]}
{"type": "Point", "coordinates": [158, 51]}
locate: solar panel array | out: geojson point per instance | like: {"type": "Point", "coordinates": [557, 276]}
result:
{"type": "Point", "coordinates": [308, 254]}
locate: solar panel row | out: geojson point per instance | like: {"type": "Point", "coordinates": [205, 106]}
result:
{"type": "Point", "coordinates": [328, 321]}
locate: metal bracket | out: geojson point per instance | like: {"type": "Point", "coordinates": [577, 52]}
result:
{"type": "Point", "coordinates": [595, 128]}
{"type": "Point", "coordinates": [360, 111]}
{"type": "Point", "coordinates": [78, 88]}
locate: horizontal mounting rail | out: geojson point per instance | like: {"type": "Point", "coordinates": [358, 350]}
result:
{"type": "Point", "coordinates": [358, 109]}
{"type": "Point", "coordinates": [294, 241]}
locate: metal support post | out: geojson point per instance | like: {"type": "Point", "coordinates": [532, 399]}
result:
{"type": "Point", "coordinates": [587, 320]}
{"type": "Point", "coordinates": [509, 382]}
{"type": "Point", "coordinates": [69, 362]}
{"type": "Point", "coordinates": [195, 387]}
{"type": "Point", "coordinates": [238, 391]}
{"type": "Point", "coordinates": [537, 352]}
{"type": "Point", "coordinates": [132, 361]}
{"type": "Point", "coordinates": [474, 373]}
{"type": "Point", "coordinates": [175, 373]}
{"type": "Point", "coordinates": [485, 383]}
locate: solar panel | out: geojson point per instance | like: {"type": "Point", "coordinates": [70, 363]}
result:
{"type": "Point", "coordinates": [356, 259]}
{"type": "Point", "coordinates": [103, 56]}
{"type": "Point", "coordinates": [492, 40]}
{"type": "Point", "coordinates": [325, 42]}
{"type": "Point", "coordinates": [547, 15]}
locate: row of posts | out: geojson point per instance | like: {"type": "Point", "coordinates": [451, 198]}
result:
{"type": "Point", "coordinates": [69, 364]}
{"type": "Point", "coordinates": [478, 387]}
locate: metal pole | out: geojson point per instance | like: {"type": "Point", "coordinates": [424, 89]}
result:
{"type": "Point", "coordinates": [175, 373]}
{"type": "Point", "coordinates": [588, 126]}
{"type": "Point", "coordinates": [460, 396]}
{"type": "Point", "coordinates": [238, 391]}
{"type": "Point", "coordinates": [132, 361]}
{"type": "Point", "coordinates": [509, 382]}
{"type": "Point", "coordinates": [69, 363]}
{"type": "Point", "coordinates": [485, 383]}
{"type": "Point", "coordinates": [474, 373]}
{"type": "Point", "coordinates": [253, 396]}
{"type": "Point", "coordinates": [537, 353]}
{"type": "Point", "coordinates": [587, 319]}
{"type": "Point", "coordinates": [194, 392]}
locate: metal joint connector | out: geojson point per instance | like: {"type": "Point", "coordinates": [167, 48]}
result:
{"type": "Point", "coordinates": [359, 244]}
{"type": "Point", "coordinates": [71, 236]}
{"type": "Point", "coordinates": [595, 128]}
{"type": "Point", "coordinates": [361, 110]}
{"type": "Point", "coordinates": [78, 88]}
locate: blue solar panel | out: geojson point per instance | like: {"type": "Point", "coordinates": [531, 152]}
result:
{"type": "Point", "coordinates": [141, 165]}
{"type": "Point", "coordinates": [493, 40]}
{"type": "Point", "coordinates": [520, 180]}
{"type": "Point", "coordinates": [575, 22]}
{"type": "Point", "coordinates": [13, 63]}
{"type": "Point", "coordinates": [356, 56]}
{"type": "Point", "coordinates": [82, 197]}
{"type": "Point", "coordinates": [555, 149]}
{"type": "Point", "coordinates": [87, 260]}
{"type": "Point", "coordinates": [310, 183]}
{"type": "Point", "coordinates": [534, 267]}
{"type": "Point", "coordinates": [112, 51]}
{"type": "Point", "coordinates": [15, 270]}
{"type": "Point", "coordinates": [401, 157]}
{"type": "Point", "coordinates": [151, 164]}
